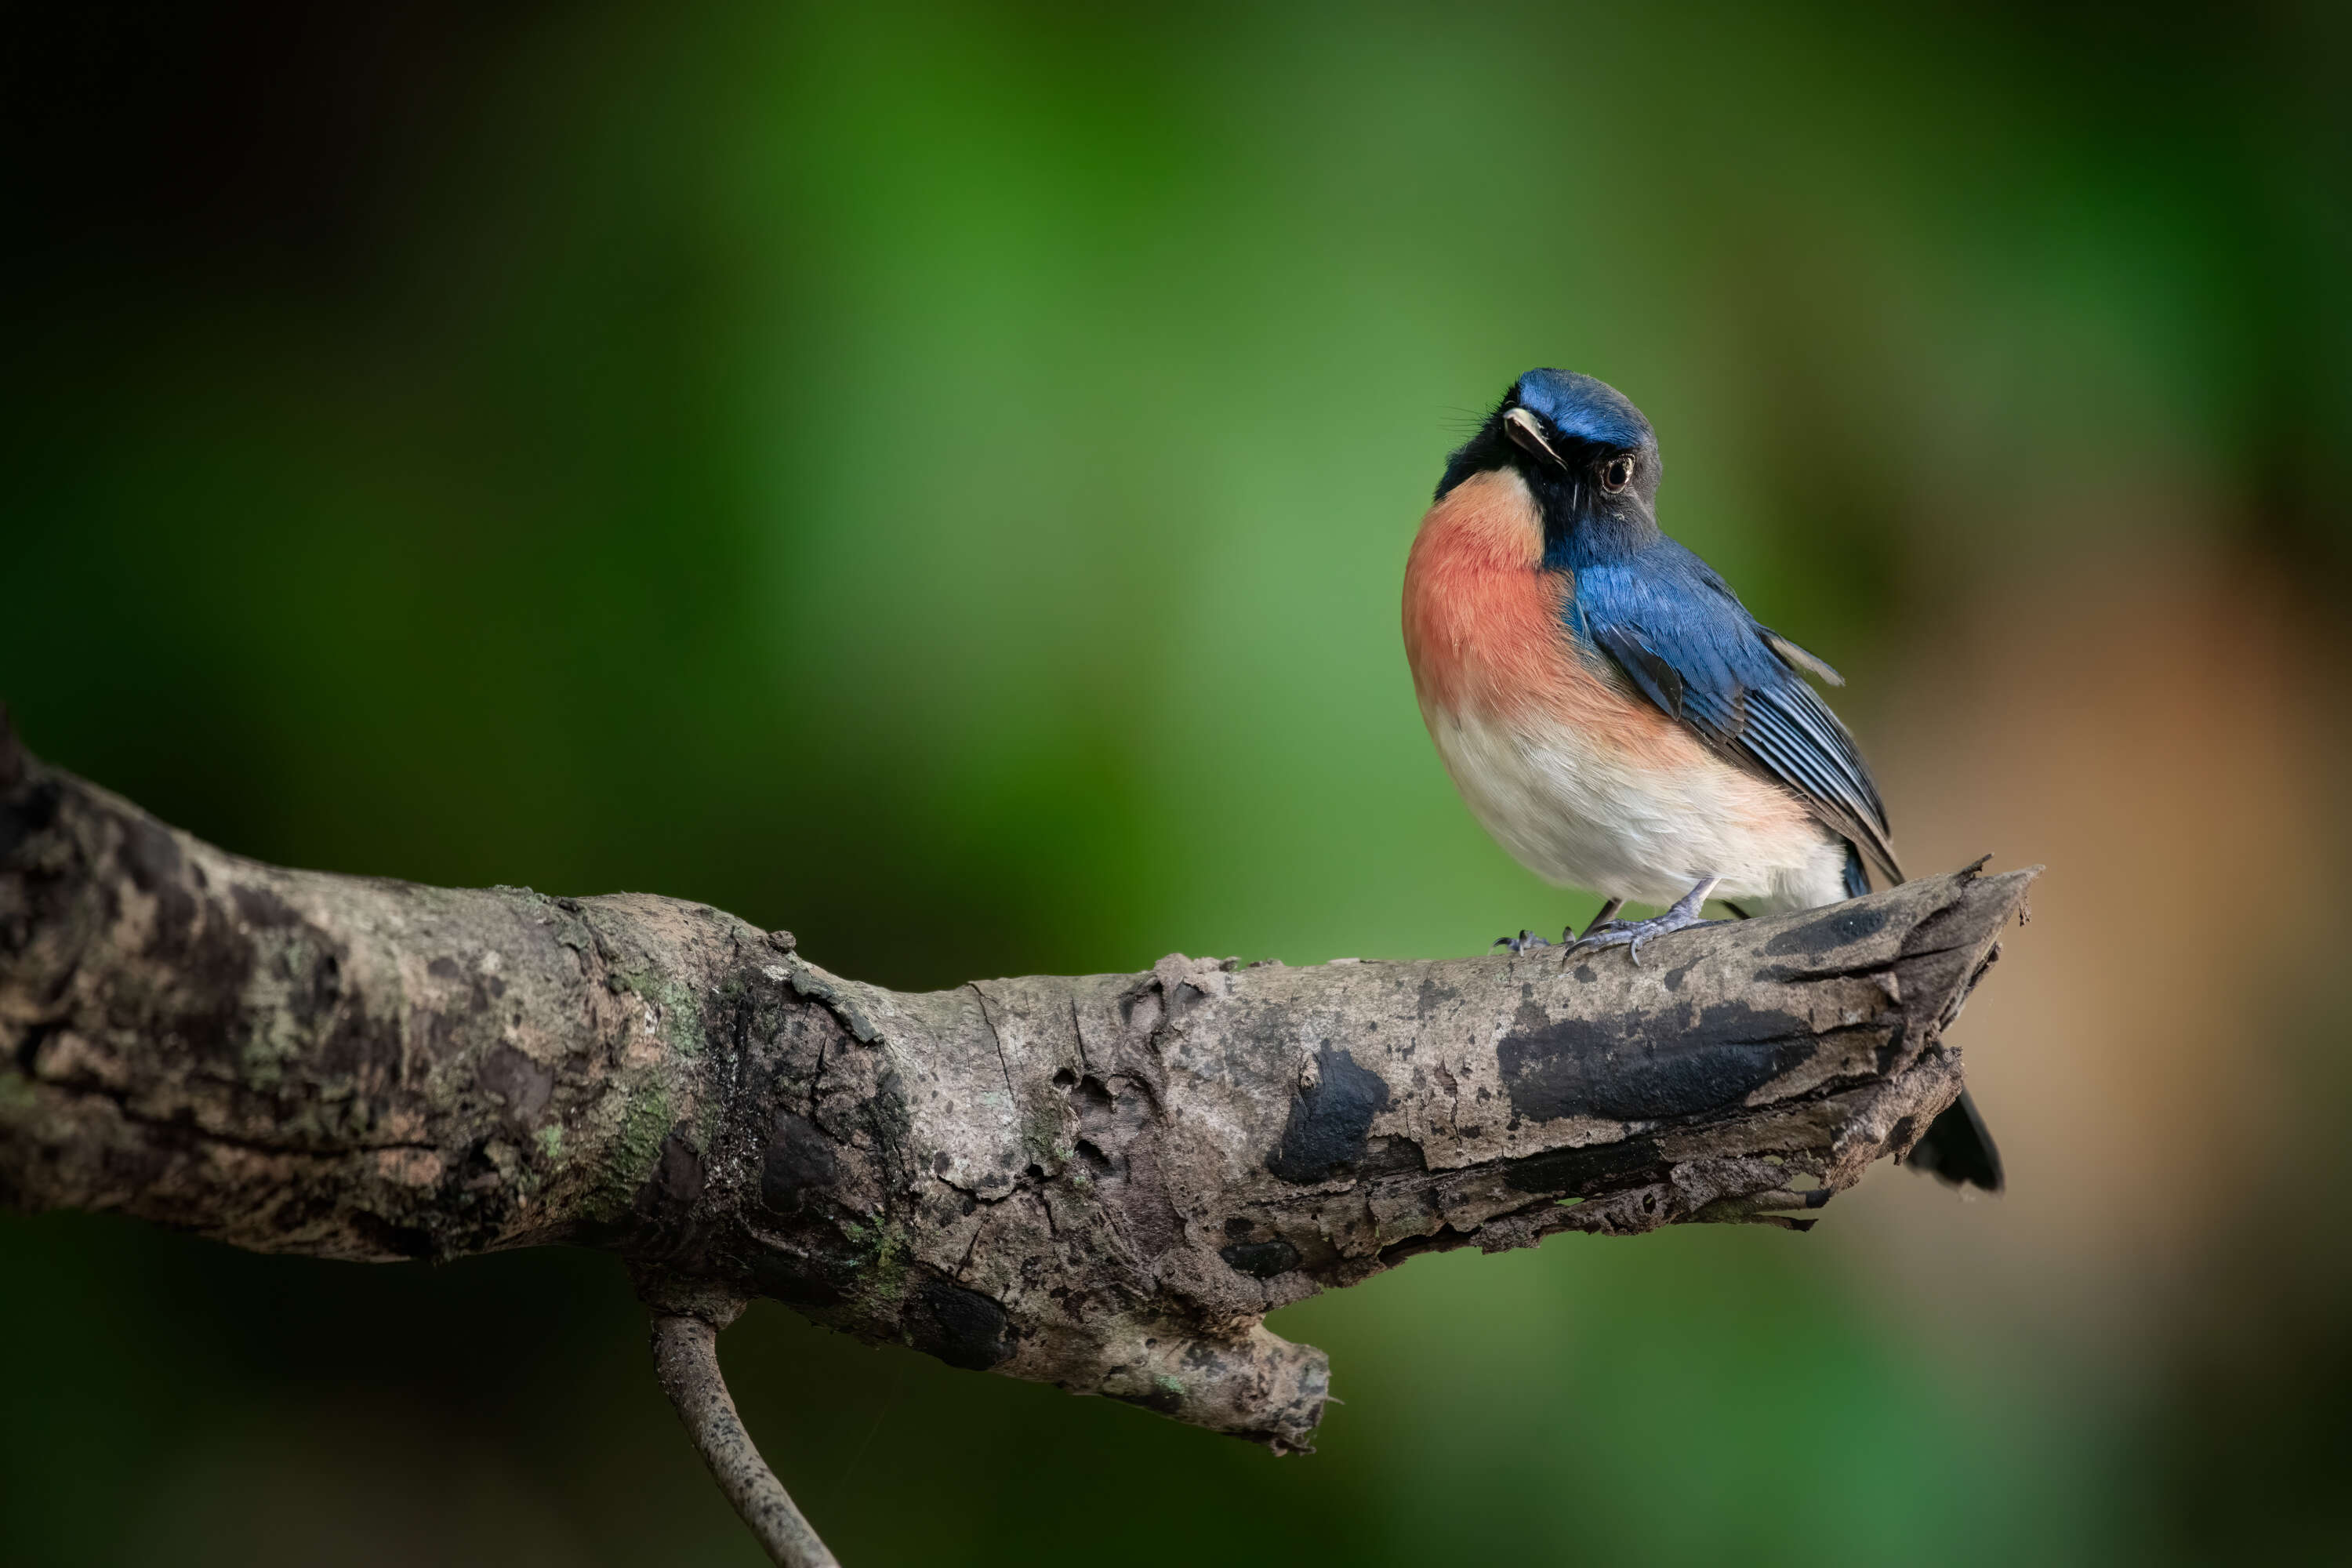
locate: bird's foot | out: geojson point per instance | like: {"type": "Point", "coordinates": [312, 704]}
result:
{"type": "Point", "coordinates": [1526, 941]}
{"type": "Point", "coordinates": [1631, 934]}
{"type": "Point", "coordinates": [1598, 927]}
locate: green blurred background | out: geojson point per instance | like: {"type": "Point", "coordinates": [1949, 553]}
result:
{"type": "Point", "coordinates": [937, 477]}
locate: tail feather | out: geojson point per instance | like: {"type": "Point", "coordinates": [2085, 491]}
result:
{"type": "Point", "coordinates": [1957, 1148]}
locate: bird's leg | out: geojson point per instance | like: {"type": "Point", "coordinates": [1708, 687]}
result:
{"type": "Point", "coordinates": [1605, 920]}
{"type": "Point", "coordinates": [1526, 941]}
{"type": "Point", "coordinates": [1631, 934]}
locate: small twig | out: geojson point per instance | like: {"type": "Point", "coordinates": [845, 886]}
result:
{"type": "Point", "coordinates": [686, 1358]}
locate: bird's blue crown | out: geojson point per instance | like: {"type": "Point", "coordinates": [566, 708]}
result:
{"type": "Point", "coordinates": [1581, 407]}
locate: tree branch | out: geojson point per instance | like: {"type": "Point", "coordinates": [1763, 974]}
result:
{"type": "Point", "coordinates": [1103, 1182]}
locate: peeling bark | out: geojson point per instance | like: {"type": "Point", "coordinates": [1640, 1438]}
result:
{"type": "Point", "coordinates": [1103, 1182]}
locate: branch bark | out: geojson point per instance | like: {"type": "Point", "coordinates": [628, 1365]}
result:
{"type": "Point", "coordinates": [1103, 1182]}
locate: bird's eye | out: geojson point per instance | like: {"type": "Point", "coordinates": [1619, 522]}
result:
{"type": "Point", "coordinates": [1617, 474]}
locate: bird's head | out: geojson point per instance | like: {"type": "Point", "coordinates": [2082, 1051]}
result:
{"type": "Point", "coordinates": [1588, 458]}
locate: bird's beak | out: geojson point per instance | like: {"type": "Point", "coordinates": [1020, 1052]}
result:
{"type": "Point", "coordinates": [1523, 430]}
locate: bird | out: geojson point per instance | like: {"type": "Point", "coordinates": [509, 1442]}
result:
{"type": "Point", "coordinates": [1611, 713]}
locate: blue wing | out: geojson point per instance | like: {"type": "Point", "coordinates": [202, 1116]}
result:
{"type": "Point", "coordinates": [1690, 645]}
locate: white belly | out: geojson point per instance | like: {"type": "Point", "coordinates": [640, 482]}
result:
{"type": "Point", "coordinates": [1578, 816]}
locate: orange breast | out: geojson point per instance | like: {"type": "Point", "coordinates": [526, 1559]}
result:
{"type": "Point", "coordinates": [1484, 634]}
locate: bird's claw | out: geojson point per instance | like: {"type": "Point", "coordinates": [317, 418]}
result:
{"type": "Point", "coordinates": [1631, 934]}
{"type": "Point", "coordinates": [1527, 941]}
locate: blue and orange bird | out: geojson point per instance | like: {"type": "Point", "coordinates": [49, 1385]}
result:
{"type": "Point", "coordinates": [1610, 711]}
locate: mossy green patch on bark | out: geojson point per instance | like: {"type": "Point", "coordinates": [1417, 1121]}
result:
{"type": "Point", "coordinates": [1042, 1136]}
{"type": "Point", "coordinates": [677, 1014]}
{"type": "Point", "coordinates": [629, 1159]}
{"type": "Point", "coordinates": [882, 1273]}
{"type": "Point", "coordinates": [280, 1036]}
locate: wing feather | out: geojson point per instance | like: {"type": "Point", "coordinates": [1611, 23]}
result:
{"type": "Point", "coordinates": [1691, 647]}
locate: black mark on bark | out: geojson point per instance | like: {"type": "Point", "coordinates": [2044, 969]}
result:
{"type": "Point", "coordinates": [963, 1328]}
{"type": "Point", "coordinates": [522, 1083]}
{"type": "Point", "coordinates": [799, 1165]}
{"type": "Point", "coordinates": [260, 907]}
{"type": "Point", "coordinates": [1585, 1170]}
{"type": "Point", "coordinates": [1329, 1120]}
{"type": "Point", "coordinates": [1586, 1068]}
{"type": "Point", "coordinates": [1260, 1260]}
{"type": "Point", "coordinates": [1843, 929]}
